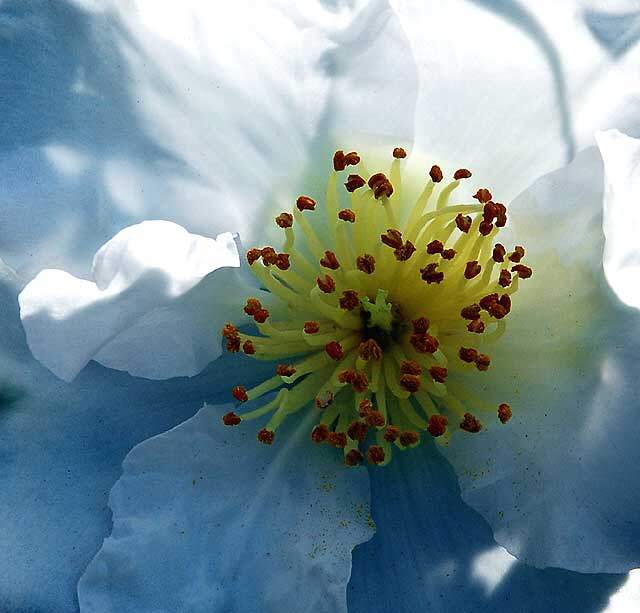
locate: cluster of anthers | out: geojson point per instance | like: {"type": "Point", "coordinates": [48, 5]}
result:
{"type": "Point", "coordinates": [378, 322]}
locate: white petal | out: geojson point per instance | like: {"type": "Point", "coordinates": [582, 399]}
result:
{"type": "Point", "coordinates": [141, 277]}
{"type": "Point", "coordinates": [208, 519]}
{"type": "Point", "coordinates": [621, 156]}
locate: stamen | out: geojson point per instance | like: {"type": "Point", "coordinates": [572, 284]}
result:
{"type": "Point", "coordinates": [470, 423]}
{"type": "Point", "coordinates": [504, 413]}
{"type": "Point", "coordinates": [436, 174]}
{"type": "Point", "coordinates": [366, 263]}
{"type": "Point", "coordinates": [375, 454]}
{"type": "Point", "coordinates": [347, 215]}
{"type": "Point", "coordinates": [399, 153]}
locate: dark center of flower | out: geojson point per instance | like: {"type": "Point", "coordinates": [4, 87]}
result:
{"type": "Point", "coordinates": [379, 322]}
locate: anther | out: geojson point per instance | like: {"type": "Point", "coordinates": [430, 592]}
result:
{"type": "Point", "coordinates": [468, 354]}
{"type": "Point", "coordinates": [338, 160]}
{"type": "Point", "coordinates": [496, 310]}
{"type": "Point", "coordinates": [233, 344]}
{"type": "Point", "coordinates": [462, 173]}
{"type": "Point", "coordinates": [470, 312]}
{"type": "Point", "coordinates": [505, 302]}
{"type": "Point", "coordinates": [472, 269]}
{"type": "Point", "coordinates": [248, 347]}
{"type": "Point", "coordinates": [430, 274]}
{"type": "Point", "coordinates": [399, 153]}
{"type": "Point", "coordinates": [329, 261]}
{"type": "Point", "coordinates": [470, 423]}
{"type": "Point", "coordinates": [349, 300]}
{"type": "Point", "coordinates": [366, 263]}
{"type": "Point", "coordinates": [285, 370]}
{"type": "Point", "coordinates": [410, 383]}
{"type": "Point", "coordinates": [524, 272]}
{"type": "Point", "coordinates": [229, 331]}
{"type": "Point", "coordinates": [424, 343]}
{"type": "Point", "coordinates": [375, 454]}
{"type": "Point", "coordinates": [501, 219]}
{"type": "Point", "coordinates": [488, 300]}
{"type": "Point", "coordinates": [351, 158]}
{"type": "Point", "coordinates": [327, 285]}
{"type": "Point", "coordinates": [498, 253]}
{"type": "Point", "coordinates": [410, 367]}
{"type": "Point", "coordinates": [252, 306]}
{"type": "Point", "coordinates": [483, 361]}
{"type": "Point", "coordinates": [353, 458]}
{"type": "Point", "coordinates": [320, 433]}
{"type": "Point", "coordinates": [365, 407]}
{"type": "Point", "coordinates": [370, 350]}
{"type": "Point", "coordinates": [393, 238]}
{"type": "Point", "coordinates": [354, 182]}
{"type": "Point", "coordinates": [324, 399]}
{"type": "Point", "coordinates": [404, 252]}
{"type": "Point", "coordinates": [391, 434]}
{"type": "Point", "coordinates": [504, 413]}
{"type": "Point", "coordinates": [477, 326]}
{"type": "Point", "coordinates": [517, 255]}
{"type": "Point", "coordinates": [347, 215]}
{"type": "Point", "coordinates": [358, 380]}
{"type": "Point", "coordinates": [261, 315]}
{"type": "Point", "coordinates": [284, 220]}
{"type": "Point", "coordinates": [231, 419]}
{"type": "Point", "coordinates": [448, 254]}
{"type": "Point", "coordinates": [420, 325]}
{"type": "Point", "coordinates": [380, 186]}
{"type": "Point", "coordinates": [334, 350]}
{"type": "Point", "coordinates": [505, 278]}
{"type": "Point", "coordinates": [266, 436]}
{"type": "Point", "coordinates": [282, 261]}
{"type": "Point", "coordinates": [253, 255]}
{"type": "Point", "coordinates": [337, 439]}
{"type": "Point", "coordinates": [483, 195]}
{"type": "Point", "coordinates": [239, 392]}
{"type": "Point", "coordinates": [375, 419]}
{"type": "Point", "coordinates": [409, 438]}
{"type": "Point", "coordinates": [269, 255]}
{"type": "Point", "coordinates": [438, 373]}
{"type": "Point", "coordinates": [463, 222]}
{"type": "Point", "coordinates": [437, 425]}
{"type": "Point", "coordinates": [485, 228]}
{"type": "Point", "coordinates": [435, 247]}
{"type": "Point", "coordinates": [436, 174]}
{"type": "Point", "coordinates": [305, 203]}
{"type": "Point", "coordinates": [357, 431]}
{"type": "Point", "coordinates": [311, 327]}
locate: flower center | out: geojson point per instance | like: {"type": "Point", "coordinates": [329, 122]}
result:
{"type": "Point", "coordinates": [378, 318]}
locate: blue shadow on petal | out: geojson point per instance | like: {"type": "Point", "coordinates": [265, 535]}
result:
{"type": "Point", "coordinates": [616, 32]}
{"type": "Point", "coordinates": [432, 552]}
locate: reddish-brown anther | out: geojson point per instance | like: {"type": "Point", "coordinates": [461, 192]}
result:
{"type": "Point", "coordinates": [285, 370]}
{"type": "Point", "coordinates": [266, 436]}
{"type": "Point", "coordinates": [483, 361]}
{"type": "Point", "coordinates": [438, 373]}
{"type": "Point", "coordinates": [504, 413]}
{"type": "Point", "coordinates": [357, 431]}
{"type": "Point", "coordinates": [365, 407]}
{"type": "Point", "coordinates": [461, 173]}
{"type": "Point", "coordinates": [311, 327]}
{"type": "Point", "coordinates": [320, 433]}
{"type": "Point", "coordinates": [338, 160]}
{"type": "Point", "coordinates": [252, 307]}
{"type": "Point", "coordinates": [496, 310]}
{"type": "Point", "coordinates": [354, 182]}
{"type": "Point", "coordinates": [463, 222]}
{"type": "Point", "coordinates": [233, 344]}
{"type": "Point", "coordinates": [424, 343]}
{"type": "Point", "coordinates": [349, 300]}
{"type": "Point", "coordinates": [248, 347]}
{"type": "Point", "coordinates": [505, 301]}
{"type": "Point", "coordinates": [404, 252]}
{"type": "Point", "coordinates": [399, 153]}
{"type": "Point", "coordinates": [353, 458]}
{"type": "Point", "coordinates": [261, 315]}
{"type": "Point", "coordinates": [410, 383]}
{"type": "Point", "coordinates": [524, 272]}
{"type": "Point", "coordinates": [253, 255]}
{"type": "Point", "coordinates": [486, 301]}
{"type": "Point", "coordinates": [337, 439]}
{"type": "Point", "coordinates": [468, 354]}
{"type": "Point", "coordinates": [269, 255]}
{"type": "Point", "coordinates": [489, 211]}
{"type": "Point", "coordinates": [330, 261]}
{"type": "Point", "coordinates": [358, 380]}
{"type": "Point", "coordinates": [366, 263]}
{"type": "Point", "coordinates": [501, 219]}
{"type": "Point", "coordinates": [420, 325]}
{"type": "Point", "coordinates": [410, 367]}
{"type": "Point", "coordinates": [231, 419]}
{"type": "Point", "coordinates": [282, 261]}
{"type": "Point", "coordinates": [517, 255]}
{"type": "Point", "coordinates": [327, 285]}
{"type": "Point", "coordinates": [351, 158]}
{"type": "Point", "coordinates": [434, 247]}
{"type": "Point", "coordinates": [391, 434]}
{"type": "Point", "coordinates": [229, 331]}
{"type": "Point", "coordinates": [437, 425]}
{"type": "Point", "coordinates": [305, 203]}
{"type": "Point", "coordinates": [430, 274]}
{"type": "Point", "coordinates": [334, 350]}
{"type": "Point", "coordinates": [409, 438]}
{"type": "Point", "coordinates": [483, 195]}
{"type": "Point", "coordinates": [375, 419]}
{"type": "Point", "coordinates": [472, 269]}
{"type": "Point", "coordinates": [370, 350]}
{"type": "Point", "coordinates": [448, 254]}
{"type": "Point", "coordinates": [498, 253]}
{"type": "Point", "coordinates": [324, 399]}
{"type": "Point", "coordinates": [485, 227]}
{"type": "Point", "coordinates": [239, 392]}
{"type": "Point", "coordinates": [470, 423]}
{"type": "Point", "coordinates": [477, 326]}
{"type": "Point", "coordinates": [383, 190]}
{"type": "Point", "coordinates": [505, 278]}
{"type": "Point", "coordinates": [470, 312]}
{"type": "Point", "coordinates": [376, 180]}
{"type": "Point", "coordinates": [436, 174]}
{"type": "Point", "coordinates": [392, 238]}
{"type": "Point", "coordinates": [284, 220]}
{"type": "Point", "coordinates": [375, 454]}
{"type": "Point", "coordinates": [347, 215]}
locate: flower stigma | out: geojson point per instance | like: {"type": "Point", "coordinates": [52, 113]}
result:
{"type": "Point", "coordinates": [380, 315]}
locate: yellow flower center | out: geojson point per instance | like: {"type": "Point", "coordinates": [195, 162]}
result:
{"type": "Point", "coordinates": [380, 317]}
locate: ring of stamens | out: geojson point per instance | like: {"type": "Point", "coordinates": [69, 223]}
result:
{"type": "Point", "coordinates": [384, 321]}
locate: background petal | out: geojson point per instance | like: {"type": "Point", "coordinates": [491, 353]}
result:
{"type": "Point", "coordinates": [208, 519]}
{"type": "Point", "coordinates": [142, 311]}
